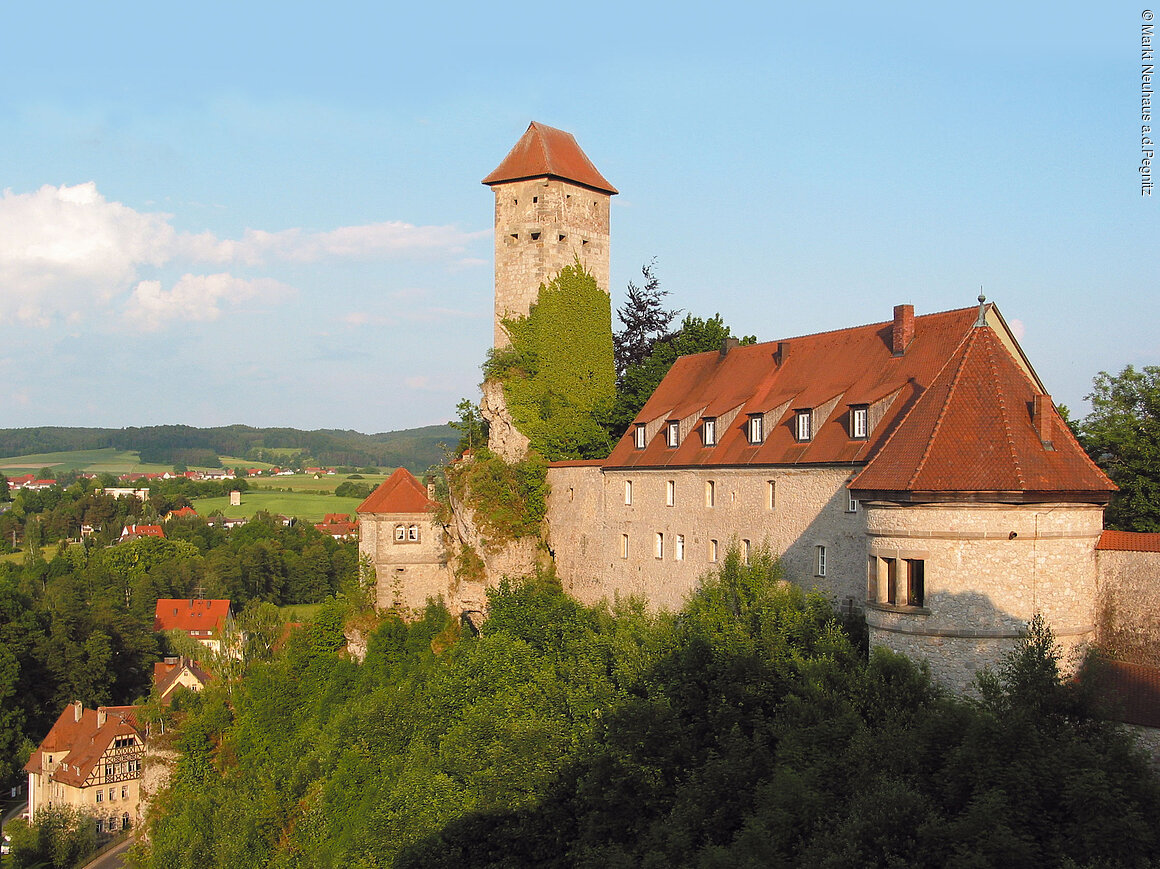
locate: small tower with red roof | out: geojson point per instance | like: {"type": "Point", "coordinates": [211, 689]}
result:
{"type": "Point", "coordinates": [551, 206]}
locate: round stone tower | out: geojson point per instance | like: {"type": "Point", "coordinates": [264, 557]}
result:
{"type": "Point", "coordinates": [551, 207]}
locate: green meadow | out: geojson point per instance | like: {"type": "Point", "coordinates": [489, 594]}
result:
{"type": "Point", "coordinates": [106, 461]}
{"type": "Point", "coordinates": [307, 506]}
{"type": "Point", "coordinates": [307, 483]}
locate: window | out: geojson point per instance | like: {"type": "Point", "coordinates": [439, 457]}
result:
{"type": "Point", "coordinates": [891, 566]}
{"type": "Point", "coordinates": [859, 419]}
{"type": "Point", "coordinates": [679, 555]}
{"type": "Point", "coordinates": [400, 532]}
{"type": "Point", "coordinates": [670, 493]}
{"type": "Point", "coordinates": [624, 546]}
{"type": "Point", "coordinates": [709, 432]}
{"type": "Point", "coordinates": [100, 822]}
{"type": "Point", "coordinates": [627, 492]}
{"type": "Point", "coordinates": [802, 425]}
{"type": "Point", "coordinates": [915, 582]}
{"type": "Point", "coordinates": [820, 563]}
{"type": "Point", "coordinates": [745, 551]}
{"type": "Point", "coordinates": [109, 766]}
{"type": "Point", "coordinates": [673, 434]}
{"type": "Point", "coordinates": [124, 792]}
{"type": "Point", "coordinates": [640, 437]}
{"type": "Point", "coordinates": [413, 533]}
{"type": "Point", "coordinates": [852, 504]}
{"type": "Point", "coordinates": [660, 549]}
{"type": "Point", "coordinates": [100, 796]}
{"type": "Point", "coordinates": [112, 794]}
{"type": "Point", "coordinates": [710, 493]}
{"type": "Point", "coordinates": [713, 550]}
{"type": "Point", "coordinates": [125, 821]}
{"type": "Point", "coordinates": [770, 494]}
{"type": "Point", "coordinates": [755, 429]}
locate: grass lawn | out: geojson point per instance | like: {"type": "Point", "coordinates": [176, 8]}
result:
{"type": "Point", "coordinates": [307, 483]}
{"type": "Point", "coordinates": [307, 506]}
{"type": "Point", "coordinates": [299, 612]}
{"type": "Point", "coordinates": [108, 460]}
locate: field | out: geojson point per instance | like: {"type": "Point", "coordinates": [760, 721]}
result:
{"type": "Point", "coordinates": [104, 461]}
{"type": "Point", "coordinates": [307, 483]}
{"type": "Point", "coordinates": [307, 506]}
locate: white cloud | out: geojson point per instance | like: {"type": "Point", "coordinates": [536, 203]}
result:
{"type": "Point", "coordinates": [64, 250]}
{"type": "Point", "coordinates": [198, 298]}
{"type": "Point", "coordinates": [1017, 329]}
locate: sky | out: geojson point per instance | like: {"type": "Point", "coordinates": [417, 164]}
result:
{"type": "Point", "coordinates": [271, 214]}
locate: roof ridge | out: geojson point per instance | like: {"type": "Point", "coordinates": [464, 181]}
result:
{"type": "Point", "coordinates": [964, 347]}
{"type": "Point", "coordinates": [1003, 412]}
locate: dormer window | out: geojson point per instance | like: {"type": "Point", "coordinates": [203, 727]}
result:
{"type": "Point", "coordinates": [859, 422]}
{"type": "Point", "coordinates": [709, 432]}
{"type": "Point", "coordinates": [755, 429]}
{"type": "Point", "coordinates": [639, 437]}
{"type": "Point", "coordinates": [802, 425]}
{"type": "Point", "coordinates": [673, 434]}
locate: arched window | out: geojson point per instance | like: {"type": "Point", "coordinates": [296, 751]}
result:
{"type": "Point", "coordinates": [125, 821]}
{"type": "Point", "coordinates": [413, 533]}
{"type": "Point", "coordinates": [400, 532]}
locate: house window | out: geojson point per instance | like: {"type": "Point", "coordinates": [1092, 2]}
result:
{"type": "Point", "coordinates": [112, 794]}
{"type": "Point", "coordinates": [802, 425]}
{"type": "Point", "coordinates": [624, 546]}
{"type": "Point", "coordinates": [124, 792]}
{"type": "Point", "coordinates": [679, 555]}
{"type": "Point", "coordinates": [100, 796]}
{"type": "Point", "coordinates": [660, 548]}
{"type": "Point", "coordinates": [820, 563]}
{"type": "Point", "coordinates": [709, 432]}
{"type": "Point", "coordinates": [109, 766]}
{"type": "Point", "coordinates": [710, 493]}
{"type": "Point", "coordinates": [125, 821]}
{"type": "Point", "coordinates": [100, 823]}
{"type": "Point", "coordinates": [891, 566]}
{"type": "Point", "coordinates": [413, 533]}
{"type": "Point", "coordinates": [755, 429]}
{"type": "Point", "coordinates": [915, 582]}
{"type": "Point", "coordinates": [673, 434]}
{"type": "Point", "coordinates": [859, 422]}
{"type": "Point", "coordinates": [400, 532]}
{"type": "Point", "coordinates": [770, 494]}
{"type": "Point", "coordinates": [745, 551]}
{"type": "Point", "coordinates": [627, 492]}
{"type": "Point", "coordinates": [639, 437]}
{"type": "Point", "coordinates": [851, 504]}
{"type": "Point", "coordinates": [713, 550]}
{"type": "Point", "coordinates": [670, 493]}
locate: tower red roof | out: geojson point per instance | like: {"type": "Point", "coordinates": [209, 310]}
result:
{"type": "Point", "coordinates": [399, 493]}
{"type": "Point", "coordinates": [545, 152]}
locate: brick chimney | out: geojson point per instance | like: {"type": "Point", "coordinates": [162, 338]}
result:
{"type": "Point", "coordinates": [903, 328]}
{"type": "Point", "coordinates": [782, 352]}
{"type": "Point", "coordinates": [102, 717]}
{"type": "Point", "coordinates": [78, 710]}
{"type": "Point", "coordinates": [1041, 418]}
{"type": "Point", "coordinates": [727, 345]}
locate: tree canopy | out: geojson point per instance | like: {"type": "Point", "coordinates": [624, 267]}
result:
{"type": "Point", "coordinates": [1122, 435]}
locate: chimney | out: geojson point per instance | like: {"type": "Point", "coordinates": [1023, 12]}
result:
{"type": "Point", "coordinates": [782, 352]}
{"type": "Point", "coordinates": [78, 710]}
{"type": "Point", "coordinates": [727, 345]}
{"type": "Point", "coordinates": [1041, 418]}
{"type": "Point", "coordinates": [430, 488]}
{"type": "Point", "coordinates": [102, 717]}
{"type": "Point", "coordinates": [903, 328]}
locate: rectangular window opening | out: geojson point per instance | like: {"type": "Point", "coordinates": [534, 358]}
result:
{"type": "Point", "coordinates": [820, 566]}
{"type": "Point", "coordinates": [673, 434]}
{"type": "Point", "coordinates": [709, 432]}
{"type": "Point", "coordinates": [670, 493]}
{"type": "Point", "coordinates": [640, 437]}
{"type": "Point", "coordinates": [627, 492]}
{"type": "Point", "coordinates": [915, 582]}
{"type": "Point", "coordinates": [852, 504]}
{"type": "Point", "coordinates": [710, 493]}
{"type": "Point", "coordinates": [624, 546]}
{"type": "Point", "coordinates": [660, 548]}
{"type": "Point", "coordinates": [745, 551]}
{"type": "Point", "coordinates": [535, 236]}
{"type": "Point", "coordinates": [679, 555]}
{"type": "Point", "coordinates": [756, 429]}
{"type": "Point", "coordinates": [770, 494]}
{"type": "Point", "coordinates": [713, 551]}
{"type": "Point", "coordinates": [859, 419]}
{"type": "Point", "coordinates": [803, 425]}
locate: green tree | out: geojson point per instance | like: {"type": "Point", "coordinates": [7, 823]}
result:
{"type": "Point", "coordinates": [644, 321]}
{"type": "Point", "coordinates": [1122, 435]}
{"type": "Point", "coordinates": [471, 425]}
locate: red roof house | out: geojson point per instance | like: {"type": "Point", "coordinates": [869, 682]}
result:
{"type": "Point", "coordinates": [204, 620]}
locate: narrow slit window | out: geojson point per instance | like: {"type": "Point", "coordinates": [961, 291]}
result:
{"type": "Point", "coordinates": [745, 551]}
{"type": "Point", "coordinates": [670, 493]}
{"type": "Point", "coordinates": [624, 546]}
{"type": "Point", "coordinates": [535, 236]}
{"type": "Point", "coordinates": [709, 432]}
{"type": "Point", "coordinates": [859, 422]}
{"type": "Point", "coordinates": [770, 494]}
{"type": "Point", "coordinates": [803, 428]}
{"type": "Point", "coordinates": [673, 434]}
{"type": "Point", "coordinates": [679, 555]}
{"type": "Point", "coordinates": [713, 551]}
{"type": "Point", "coordinates": [710, 493]}
{"type": "Point", "coordinates": [820, 567]}
{"type": "Point", "coordinates": [627, 492]}
{"type": "Point", "coordinates": [756, 429]}
{"type": "Point", "coordinates": [660, 545]}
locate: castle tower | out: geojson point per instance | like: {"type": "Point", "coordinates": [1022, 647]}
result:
{"type": "Point", "coordinates": [551, 206]}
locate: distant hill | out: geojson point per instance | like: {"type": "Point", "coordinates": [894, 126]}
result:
{"type": "Point", "coordinates": [415, 449]}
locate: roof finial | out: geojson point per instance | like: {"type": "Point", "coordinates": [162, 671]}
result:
{"type": "Point", "coordinates": [982, 319]}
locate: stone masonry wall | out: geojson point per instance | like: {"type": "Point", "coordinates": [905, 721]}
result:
{"type": "Point", "coordinates": [1129, 604]}
{"type": "Point", "coordinates": [407, 572]}
{"type": "Point", "coordinates": [988, 570]}
{"type": "Point", "coordinates": [588, 520]}
{"type": "Point", "coordinates": [542, 225]}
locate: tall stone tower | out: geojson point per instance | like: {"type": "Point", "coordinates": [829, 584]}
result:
{"type": "Point", "coordinates": [551, 206]}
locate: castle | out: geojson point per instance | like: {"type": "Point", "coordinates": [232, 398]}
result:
{"type": "Point", "coordinates": [914, 470]}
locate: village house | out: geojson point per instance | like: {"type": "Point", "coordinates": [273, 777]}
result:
{"type": "Point", "coordinates": [178, 672]}
{"type": "Point", "coordinates": [136, 532]}
{"type": "Point", "coordinates": [204, 620]}
{"type": "Point", "coordinates": [913, 470]}
{"type": "Point", "coordinates": [90, 760]}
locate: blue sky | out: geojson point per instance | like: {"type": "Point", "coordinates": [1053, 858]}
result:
{"type": "Point", "coordinates": [271, 213]}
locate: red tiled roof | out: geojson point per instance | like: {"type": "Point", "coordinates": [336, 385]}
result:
{"type": "Point", "coordinates": [1132, 690]}
{"type": "Point", "coordinates": [165, 674]}
{"type": "Point", "coordinates": [1129, 541]}
{"type": "Point", "coordinates": [143, 531]}
{"type": "Point", "coordinates": [185, 614]}
{"type": "Point", "coordinates": [84, 740]}
{"type": "Point", "coordinates": [399, 493]}
{"type": "Point", "coordinates": [544, 151]}
{"type": "Point", "coordinates": [949, 414]}
{"type": "Point", "coordinates": [331, 518]}
{"type": "Point", "coordinates": [182, 512]}
{"type": "Point", "coordinates": [972, 430]}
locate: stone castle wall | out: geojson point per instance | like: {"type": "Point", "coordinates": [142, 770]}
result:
{"type": "Point", "coordinates": [711, 509]}
{"type": "Point", "coordinates": [407, 571]}
{"type": "Point", "coordinates": [542, 225]}
{"type": "Point", "coordinates": [988, 570]}
{"type": "Point", "coordinates": [1129, 604]}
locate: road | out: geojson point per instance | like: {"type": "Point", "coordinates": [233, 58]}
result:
{"type": "Point", "coordinates": [114, 858]}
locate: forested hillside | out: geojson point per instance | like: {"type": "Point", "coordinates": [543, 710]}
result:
{"type": "Point", "coordinates": [415, 449]}
{"type": "Point", "coordinates": [747, 730]}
